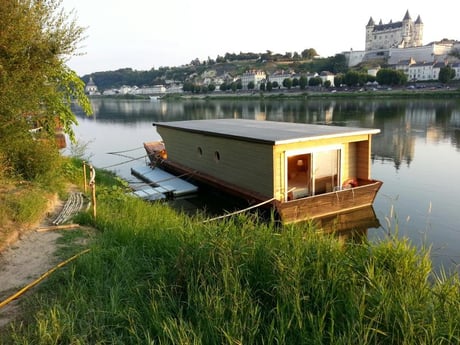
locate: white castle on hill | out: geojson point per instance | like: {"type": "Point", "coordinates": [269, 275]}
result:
{"type": "Point", "coordinates": [403, 34]}
{"type": "Point", "coordinates": [400, 41]}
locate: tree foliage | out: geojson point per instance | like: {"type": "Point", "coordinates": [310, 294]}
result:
{"type": "Point", "coordinates": [35, 83]}
{"type": "Point", "coordinates": [446, 74]}
{"type": "Point", "coordinates": [386, 76]}
{"type": "Point", "coordinates": [309, 53]}
{"type": "Point", "coordinates": [287, 83]}
{"type": "Point", "coordinates": [36, 86]}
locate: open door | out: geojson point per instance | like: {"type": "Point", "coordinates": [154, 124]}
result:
{"type": "Point", "coordinates": [313, 173]}
{"type": "Point", "coordinates": [299, 176]}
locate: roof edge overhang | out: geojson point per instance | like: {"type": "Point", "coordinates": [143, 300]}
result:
{"type": "Point", "coordinates": [358, 132]}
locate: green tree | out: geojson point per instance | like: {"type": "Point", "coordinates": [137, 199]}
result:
{"type": "Point", "coordinates": [309, 53]}
{"type": "Point", "coordinates": [287, 83]}
{"type": "Point", "coordinates": [339, 79]}
{"type": "Point", "coordinates": [316, 81]}
{"type": "Point", "coordinates": [295, 82]}
{"type": "Point", "coordinates": [388, 76]}
{"type": "Point", "coordinates": [251, 85]}
{"type": "Point", "coordinates": [446, 74]}
{"type": "Point", "coordinates": [36, 86]}
{"type": "Point", "coordinates": [351, 78]}
{"type": "Point", "coordinates": [269, 86]}
{"type": "Point", "coordinates": [303, 82]}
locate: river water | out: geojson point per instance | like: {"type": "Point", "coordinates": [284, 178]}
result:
{"type": "Point", "coordinates": [416, 155]}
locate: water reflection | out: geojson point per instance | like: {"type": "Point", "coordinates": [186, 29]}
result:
{"type": "Point", "coordinates": [416, 155]}
{"type": "Point", "coordinates": [401, 121]}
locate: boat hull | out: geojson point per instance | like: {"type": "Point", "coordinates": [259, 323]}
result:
{"type": "Point", "coordinates": [322, 205]}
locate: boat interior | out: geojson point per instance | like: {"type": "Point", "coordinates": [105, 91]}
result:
{"type": "Point", "coordinates": [312, 174]}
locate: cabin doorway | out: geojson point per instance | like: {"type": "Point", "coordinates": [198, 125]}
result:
{"type": "Point", "coordinates": [326, 171]}
{"type": "Point", "coordinates": [313, 173]}
{"type": "Point", "coordinates": [299, 176]}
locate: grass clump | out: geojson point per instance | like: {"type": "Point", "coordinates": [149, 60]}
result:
{"type": "Point", "coordinates": [154, 276]}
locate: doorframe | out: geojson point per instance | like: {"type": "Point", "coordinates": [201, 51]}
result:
{"type": "Point", "coordinates": [312, 151]}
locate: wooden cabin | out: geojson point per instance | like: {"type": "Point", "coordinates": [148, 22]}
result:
{"type": "Point", "coordinates": [306, 170]}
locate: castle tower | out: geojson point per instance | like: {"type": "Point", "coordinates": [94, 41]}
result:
{"type": "Point", "coordinates": [369, 29]}
{"type": "Point", "coordinates": [418, 32]}
{"type": "Point", "coordinates": [407, 28]}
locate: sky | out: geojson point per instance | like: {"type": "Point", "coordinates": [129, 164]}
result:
{"type": "Point", "coordinates": [146, 34]}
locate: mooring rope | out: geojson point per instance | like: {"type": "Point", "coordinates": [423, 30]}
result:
{"type": "Point", "coordinates": [124, 151]}
{"type": "Point", "coordinates": [154, 183]}
{"type": "Point", "coordinates": [245, 209]}
{"type": "Point", "coordinates": [124, 162]}
{"type": "Point", "coordinates": [240, 211]}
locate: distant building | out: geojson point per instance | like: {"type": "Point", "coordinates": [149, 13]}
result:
{"type": "Point", "coordinates": [403, 34]}
{"type": "Point", "coordinates": [279, 77]}
{"type": "Point", "coordinates": [327, 76]}
{"type": "Point", "coordinates": [456, 67]}
{"type": "Point", "coordinates": [257, 77]}
{"type": "Point", "coordinates": [91, 87]}
{"type": "Point", "coordinates": [398, 43]}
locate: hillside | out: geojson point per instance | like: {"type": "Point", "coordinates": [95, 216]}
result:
{"type": "Point", "coordinates": [163, 75]}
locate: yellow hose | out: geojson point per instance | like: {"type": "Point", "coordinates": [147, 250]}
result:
{"type": "Point", "coordinates": [43, 276]}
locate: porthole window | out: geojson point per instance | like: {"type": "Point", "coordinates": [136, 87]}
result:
{"type": "Point", "coordinates": [199, 150]}
{"type": "Point", "coordinates": [217, 156]}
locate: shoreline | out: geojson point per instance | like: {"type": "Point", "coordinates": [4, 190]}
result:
{"type": "Point", "coordinates": [301, 94]}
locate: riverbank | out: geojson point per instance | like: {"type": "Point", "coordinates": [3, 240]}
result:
{"type": "Point", "coordinates": [435, 92]}
{"type": "Point", "coordinates": [156, 275]}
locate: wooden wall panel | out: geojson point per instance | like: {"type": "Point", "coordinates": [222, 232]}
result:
{"type": "Point", "coordinates": [246, 164]}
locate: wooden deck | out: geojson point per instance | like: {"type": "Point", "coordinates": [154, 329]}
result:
{"type": "Point", "coordinates": [161, 184]}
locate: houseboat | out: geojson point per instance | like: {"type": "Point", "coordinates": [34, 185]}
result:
{"type": "Point", "coordinates": [303, 171]}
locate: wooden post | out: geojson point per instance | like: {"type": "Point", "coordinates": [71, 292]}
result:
{"type": "Point", "coordinates": [92, 183]}
{"type": "Point", "coordinates": [84, 176]}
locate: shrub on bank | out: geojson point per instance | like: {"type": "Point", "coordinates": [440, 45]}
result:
{"type": "Point", "coordinates": [155, 276]}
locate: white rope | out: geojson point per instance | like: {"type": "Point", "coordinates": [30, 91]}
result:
{"type": "Point", "coordinates": [244, 210]}
{"type": "Point", "coordinates": [240, 211]}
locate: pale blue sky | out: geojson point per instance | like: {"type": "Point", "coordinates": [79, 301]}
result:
{"type": "Point", "coordinates": [142, 34]}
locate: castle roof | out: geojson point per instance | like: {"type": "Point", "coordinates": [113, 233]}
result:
{"type": "Point", "coordinates": [407, 16]}
{"type": "Point", "coordinates": [391, 25]}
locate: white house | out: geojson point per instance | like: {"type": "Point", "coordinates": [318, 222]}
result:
{"type": "Point", "coordinates": [279, 77]}
{"type": "Point", "coordinates": [456, 67]}
{"type": "Point", "coordinates": [422, 71]}
{"type": "Point", "coordinates": [255, 76]}
{"type": "Point", "coordinates": [327, 76]}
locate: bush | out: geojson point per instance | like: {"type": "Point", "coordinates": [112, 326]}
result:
{"type": "Point", "coordinates": [32, 159]}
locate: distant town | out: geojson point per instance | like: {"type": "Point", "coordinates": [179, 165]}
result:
{"type": "Point", "coordinates": [394, 55]}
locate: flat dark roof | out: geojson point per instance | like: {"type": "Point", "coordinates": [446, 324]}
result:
{"type": "Point", "coordinates": [270, 132]}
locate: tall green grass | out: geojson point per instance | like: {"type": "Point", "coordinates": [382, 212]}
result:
{"type": "Point", "coordinates": [157, 277]}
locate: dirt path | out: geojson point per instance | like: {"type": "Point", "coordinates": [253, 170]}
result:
{"type": "Point", "coordinates": [27, 259]}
